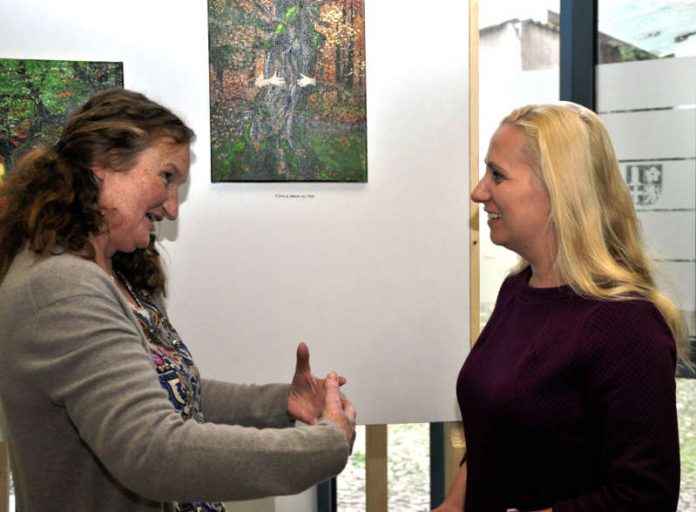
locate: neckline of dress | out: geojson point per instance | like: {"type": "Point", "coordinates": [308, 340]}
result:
{"type": "Point", "coordinates": [117, 275]}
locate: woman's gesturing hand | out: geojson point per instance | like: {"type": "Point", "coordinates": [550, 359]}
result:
{"type": "Point", "coordinates": [307, 393]}
{"type": "Point", "coordinates": [338, 409]}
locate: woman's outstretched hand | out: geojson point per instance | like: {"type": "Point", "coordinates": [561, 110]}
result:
{"type": "Point", "coordinates": [338, 409]}
{"type": "Point", "coordinates": [307, 392]}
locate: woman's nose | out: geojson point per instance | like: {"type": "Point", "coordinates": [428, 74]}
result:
{"type": "Point", "coordinates": [480, 192]}
{"type": "Point", "coordinates": [171, 206]}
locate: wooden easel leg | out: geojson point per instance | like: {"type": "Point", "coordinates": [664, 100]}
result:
{"type": "Point", "coordinates": [376, 468]}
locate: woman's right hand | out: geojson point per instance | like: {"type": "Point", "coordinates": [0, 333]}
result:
{"type": "Point", "coordinates": [338, 409]}
{"type": "Point", "coordinates": [454, 502]}
{"type": "Point", "coordinates": [446, 507]}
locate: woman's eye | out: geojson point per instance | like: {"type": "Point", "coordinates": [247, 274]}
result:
{"type": "Point", "coordinates": [497, 177]}
{"type": "Point", "coordinates": [167, 176]}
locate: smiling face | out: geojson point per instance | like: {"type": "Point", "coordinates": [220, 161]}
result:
{"type": "Point", "coordinates": [514, 197]}
{"type": "Point", "coordinates": [134, 199]}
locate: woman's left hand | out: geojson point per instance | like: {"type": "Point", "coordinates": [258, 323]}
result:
{"type": "Point", "coordinates": [307, 393]}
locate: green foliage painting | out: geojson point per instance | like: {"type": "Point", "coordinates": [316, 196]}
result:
{"type": "Point", "coordinates": [36, 97]}
{"type": "Point", "coordinates": [287, 90]}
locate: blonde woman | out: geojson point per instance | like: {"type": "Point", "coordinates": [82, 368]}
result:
{"type": "Point", "coordinates": [568, 397]}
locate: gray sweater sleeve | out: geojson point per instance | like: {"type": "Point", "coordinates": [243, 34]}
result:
{"type": "Point", "coordinates": [87, 351]}
{"type": "Point", "coordinates": [246, 404]}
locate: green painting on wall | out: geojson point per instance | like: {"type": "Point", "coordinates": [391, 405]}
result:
{"type": "Point", "coordinates": [36, 97]}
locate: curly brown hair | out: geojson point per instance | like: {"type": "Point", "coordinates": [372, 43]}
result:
{"type": "Point", "coordinates": [50, 202]}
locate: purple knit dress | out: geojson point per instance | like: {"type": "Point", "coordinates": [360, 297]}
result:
{"type": "Point", "coordinates": [570, 403]}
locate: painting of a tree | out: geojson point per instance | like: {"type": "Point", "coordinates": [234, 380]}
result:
{"type": "Point", "coordinates": [287, 90]}
{"type": "Point", "coordinates": [36, 97]}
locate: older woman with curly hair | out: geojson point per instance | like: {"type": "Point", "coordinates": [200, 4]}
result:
{"type": "Point", "coordinates": [103, 406]}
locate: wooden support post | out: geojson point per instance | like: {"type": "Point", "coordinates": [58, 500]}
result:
{"type": "Point", "coordinates": [376, 468]}
{"type": "Point", "coordinates": [454, 450]}
{"type": "Point", "coordinates": [474, 232]}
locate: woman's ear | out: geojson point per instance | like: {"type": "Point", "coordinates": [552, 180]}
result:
{"type": "Point", "coordinates": [99, 172]}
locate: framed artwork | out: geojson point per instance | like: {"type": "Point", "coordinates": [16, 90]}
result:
{"type": "Point", "coordinates": [287, 90]}
{"type": "Point", "coordinates": [36, 97]}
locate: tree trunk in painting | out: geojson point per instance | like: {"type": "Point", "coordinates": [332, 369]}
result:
{"type": "Point", "coordinates": [289, 67]}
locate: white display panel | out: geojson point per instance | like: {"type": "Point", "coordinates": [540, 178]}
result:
{"type": "Point", "coordinates": [374, 277]}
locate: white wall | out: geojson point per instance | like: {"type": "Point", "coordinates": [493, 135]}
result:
{"type": "Point", "coordinates": [374, 277]}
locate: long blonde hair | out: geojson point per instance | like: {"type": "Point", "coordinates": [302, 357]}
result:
{"type": "Point", "coordinates": [601, 250]}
